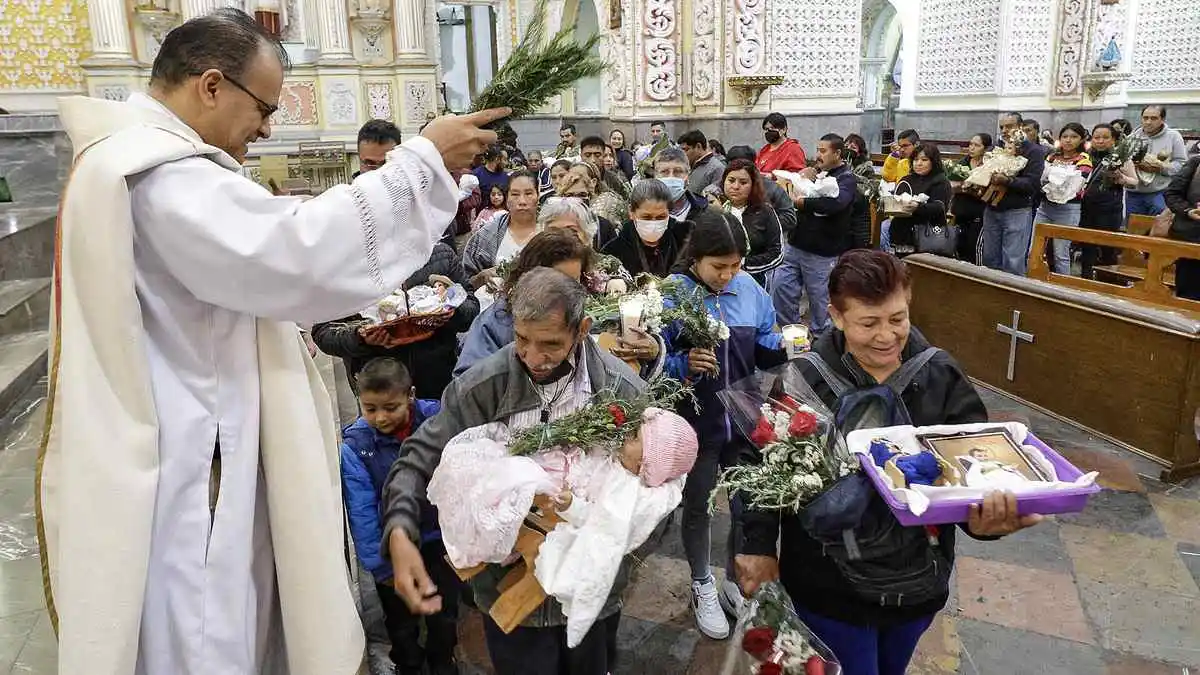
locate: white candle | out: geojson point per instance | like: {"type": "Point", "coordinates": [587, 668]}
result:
{"type": "Point", "coordinates": [795, 339]}
{"type": "Point", "coordinates": [631, 315]}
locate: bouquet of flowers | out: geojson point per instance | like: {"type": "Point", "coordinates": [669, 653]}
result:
{"type": "Point", "coordinates": [1128, 149]}
{"type": "Point", "coordinates": [648, 291]}
{"type": "Point", "coordinates": [802, 455]}
{"type": "Point", "coordinates": [770, 639]}
{"type": "Point", "coordinates": [955, 171]}
{"type": "Point", "coordinates": [605, 423]}
{"type": "Point", "coordinates": [697, 327]}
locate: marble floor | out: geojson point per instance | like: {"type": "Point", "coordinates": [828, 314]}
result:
{"type": "Point", "coordinates": [1110, 591]}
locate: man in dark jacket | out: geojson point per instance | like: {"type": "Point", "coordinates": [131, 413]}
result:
{"type": "Point", "coordinates": [431, 361]}
{"type": "Point", "coordinates": [824, 230]}
{"type": "Point", "coordinates": [553, 374]}
{"type": "Point", "coordinates": [1183, 198]}
{"type": "Point", "coordinates": [1008, 226]}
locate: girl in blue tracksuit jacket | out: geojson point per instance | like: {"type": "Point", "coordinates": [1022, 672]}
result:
{"type": "Point", "coordinates": [391, 413]}
{"type": "Point", "coordinates": [712, 260]}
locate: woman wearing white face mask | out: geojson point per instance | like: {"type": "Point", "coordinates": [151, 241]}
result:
{"type": "Point", "coordinates": [650, 241]}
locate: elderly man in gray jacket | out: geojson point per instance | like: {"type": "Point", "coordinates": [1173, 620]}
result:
{"type": "Point", "coordinates": [550, 370]}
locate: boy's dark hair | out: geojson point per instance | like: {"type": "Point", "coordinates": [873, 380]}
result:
{"type": "Point", "coordinates": [568, 127]}
{"type": "Point", "coordinates": [714, 233]}
{"type": "Point", "coordinates": [740, 152]}
{"type": "Point", "coordinates": [383, 374]}
{"type": "Point", "coordinates": [693, 138]}
{"type": "Point", "coordinates": [910, 135]}
{"type": "Point", "coordinates": [592, 142]}
{"type": "Point", "coordinates": [379, 131]}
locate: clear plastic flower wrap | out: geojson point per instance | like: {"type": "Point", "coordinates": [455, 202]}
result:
{"type": "Point", "coordinates": [802, 453]}
{"type": "Point", "coordinates": [770, 639]}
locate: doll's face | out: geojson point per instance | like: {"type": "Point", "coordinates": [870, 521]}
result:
{"type": "Point", "coordinates": [631, 454]}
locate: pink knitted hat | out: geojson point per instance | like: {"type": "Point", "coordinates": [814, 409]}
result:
{"type": "Point", "coordinates": [669, 446]}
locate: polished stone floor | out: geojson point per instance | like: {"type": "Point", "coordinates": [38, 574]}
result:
{"type": "Point", "coordinates": [1111, 591]}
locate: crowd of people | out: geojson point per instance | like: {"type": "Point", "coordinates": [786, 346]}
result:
{"type": "Point", "coordinates": [181, 284]}
{"type": "Point", "coordinates": [738, 223]}
{"type": "Point", "coordinates": [768, 254]}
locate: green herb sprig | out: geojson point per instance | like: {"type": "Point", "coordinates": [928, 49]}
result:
{"type": "Point", "coordinates": [535, 72]}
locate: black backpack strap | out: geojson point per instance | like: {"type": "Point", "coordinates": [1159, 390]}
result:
{"type": "Point", "coordinates": [836, 382]}
{"type": "Point", "coordinates": [907, 372]}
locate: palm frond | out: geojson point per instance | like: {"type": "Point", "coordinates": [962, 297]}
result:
{"type": "Point", "coordinates": [537, 70]}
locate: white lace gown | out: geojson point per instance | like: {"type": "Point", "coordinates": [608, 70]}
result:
{"type": "Point", "coordinates": [483, 495]}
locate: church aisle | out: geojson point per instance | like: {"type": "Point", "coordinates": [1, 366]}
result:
{"type": "Point", "coordinates": [1106, 592]}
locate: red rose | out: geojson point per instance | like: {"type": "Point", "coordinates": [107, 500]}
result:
{"type": "Point", "coordinates": [815, 665]}
{"type": "Point", "coordinates": [770, 669]}
{"type": "Point", "coordinates": [618, 415]}
{"type": "Point", "coordinates": [758, 642]}
{"type": "Point", "coordinates": [763, 434]}
{"type": "Point", "coordinates": [803, 424]}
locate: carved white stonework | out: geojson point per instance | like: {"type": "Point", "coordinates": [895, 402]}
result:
{"type": "Point", "coordinates": [157, 22]}
{"type": "Point", "coordinates": [1027, 42]}
{"type": "Point", "coordinates": [418, 102]}
{"type": "Point", "coordinates": [116, 92]}
{"type": "Point", "coordinates": [816, 46]}
{"type": "Point", "coordinates": [618, 48]}
{"type": "Point", "coordinates": [959, 45]}
{"type": "Point", "coordinates": [660, 50]}
{"type": "Point", "coordinates": [748, 36]}
{"type": "Point", "coordinates": [706, 74]}
{"type": "Point", "coordinates": [335, 31]}
{"type": "Point", "coordinates": [1072, 35]}
{"type": "Point", "coordinates": [1166, 56]}
{"type": "Point", "coordinates": [340, 104]}
{"type": "Point", "coordinates": [379, 100]}
{"type": "Point", "coordinates": [372, 31]}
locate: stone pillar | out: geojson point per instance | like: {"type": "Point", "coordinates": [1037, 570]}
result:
{"type": "Point", "coordinates": [194, 8]}
{"type": "Point", "coordinates": [335, 32]}
{"type": "Point", "coordinates": [110, 32]}
{"type": "Point", "coordinates": [411, 44]}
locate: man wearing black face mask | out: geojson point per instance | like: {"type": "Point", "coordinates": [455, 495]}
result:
{"type": "Point", "coordinates": [551, 370]}
{"type": "Point", "coordinates": [780, 152]}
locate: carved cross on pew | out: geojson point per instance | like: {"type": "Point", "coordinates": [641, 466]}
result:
{"type": "Point", "coordinates": [1015, 334]}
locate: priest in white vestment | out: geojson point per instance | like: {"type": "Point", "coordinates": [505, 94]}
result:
{"type": "Point", "coordinates": [177, 282]}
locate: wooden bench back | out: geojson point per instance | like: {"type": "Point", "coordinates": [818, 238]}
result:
{"type": "Point", "coordinates": [1151, 289]}
{"type": "Point", "coordinates": [1140, 225]}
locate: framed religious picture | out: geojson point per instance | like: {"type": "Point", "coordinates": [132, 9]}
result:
{"type": "Point", "coordinates": [986, 459]}
{"type": "Point", "coordinates": [614, 14]}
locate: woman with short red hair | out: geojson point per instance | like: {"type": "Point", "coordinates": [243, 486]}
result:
{"type": "Point", "coordinates": [872, 608]}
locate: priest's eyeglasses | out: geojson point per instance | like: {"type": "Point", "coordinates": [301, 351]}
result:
{"type": "Point", "coordinates": [266, 109]}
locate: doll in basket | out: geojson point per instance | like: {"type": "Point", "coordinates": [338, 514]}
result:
{"type": "Point", "coordinates": [609, 504]}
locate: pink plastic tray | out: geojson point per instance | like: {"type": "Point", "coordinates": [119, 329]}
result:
{"type": "Point", "coordinates": [1070, 500]}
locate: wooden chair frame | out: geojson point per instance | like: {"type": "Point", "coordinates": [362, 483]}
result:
{"type": "Point", "coordinates": [1151, 290]}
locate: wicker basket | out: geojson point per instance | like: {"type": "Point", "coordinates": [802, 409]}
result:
{"type": "Point", "coordinates": [407, 329]}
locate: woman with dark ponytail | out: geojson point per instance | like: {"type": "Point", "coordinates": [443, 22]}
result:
{"type": "Point", "coordinates": [711, 261]}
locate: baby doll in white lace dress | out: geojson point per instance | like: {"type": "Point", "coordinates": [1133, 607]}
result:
{"type": "Point", "coordinates": [610, 504]}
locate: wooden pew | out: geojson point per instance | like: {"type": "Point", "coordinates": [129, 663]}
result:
{"type": "Point", "coordinates": [1151, 288]}
{"type": "Point", "coordinates": [1131, 265]}
{"type": "Point", "coordinates": [1121, 368]}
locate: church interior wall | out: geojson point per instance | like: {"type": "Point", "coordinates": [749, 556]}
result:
{"type": "Point", "coordinates": [35, 154]}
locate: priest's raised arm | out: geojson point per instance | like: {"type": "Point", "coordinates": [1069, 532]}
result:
{"type": "Point", "coordinates": [233, 244]}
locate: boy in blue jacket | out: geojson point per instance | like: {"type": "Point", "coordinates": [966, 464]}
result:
{"type": "Point", "coordinates": [390, 414]}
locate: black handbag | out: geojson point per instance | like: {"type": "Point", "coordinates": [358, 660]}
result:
{"type": "Point", "coordinates": [938, 238]}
